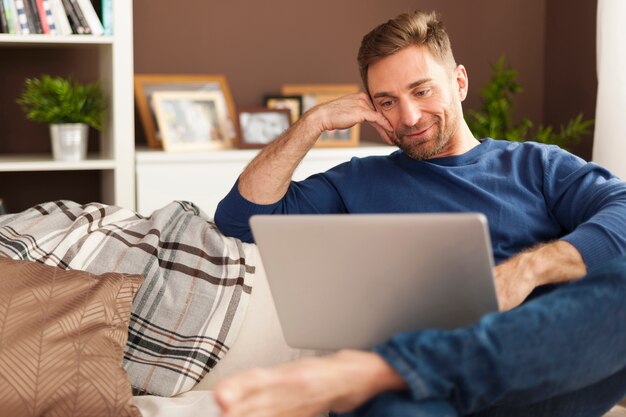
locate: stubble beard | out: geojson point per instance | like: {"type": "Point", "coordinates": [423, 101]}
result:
{"type": "Point", "coordinates": [434, 143]}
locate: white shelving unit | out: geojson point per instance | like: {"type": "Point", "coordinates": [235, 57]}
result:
{"type": "Point", "coordinates": [116, 157]}
{"type": "Point", "coordinates": [204, 178]}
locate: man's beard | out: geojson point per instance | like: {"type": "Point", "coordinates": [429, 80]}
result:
{"type": "Point", "coordinates": [433, 143]}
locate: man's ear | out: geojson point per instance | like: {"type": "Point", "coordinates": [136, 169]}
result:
{"type": "Point", "coordinates": [462, 81]}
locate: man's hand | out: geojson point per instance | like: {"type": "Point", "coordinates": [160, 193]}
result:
{"type": "Point", "coordinates": [550, 263]}
{"type": "Point", "coordinates": [347, 111]}
{"type": "Point", "coordinates": [305, 388]}
{"type": "Point", "coordinates": [266, 179]}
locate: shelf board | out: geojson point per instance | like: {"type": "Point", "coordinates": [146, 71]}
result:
{"type": "Point", "coordinates": [44, 162]}
{"type": "Point", "coordinates": [34, 40]}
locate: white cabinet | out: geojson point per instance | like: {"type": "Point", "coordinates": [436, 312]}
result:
{"type": "Point", "coordinates": [205, 178]}
{"type": "Point", "coordinates": [115, 158]}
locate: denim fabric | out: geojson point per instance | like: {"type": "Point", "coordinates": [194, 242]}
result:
{"type": "Point", "coordinates": [561, 354]}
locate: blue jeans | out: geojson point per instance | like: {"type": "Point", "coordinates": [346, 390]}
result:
{"type": "Point", "coordinates": [559, 355]}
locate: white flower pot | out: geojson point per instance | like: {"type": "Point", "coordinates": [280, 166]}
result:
{"type": "Point", "coordinates": [69, 141]}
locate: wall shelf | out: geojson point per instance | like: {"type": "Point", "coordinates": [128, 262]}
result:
{"type": "Point", "coordinates": [44, 162]}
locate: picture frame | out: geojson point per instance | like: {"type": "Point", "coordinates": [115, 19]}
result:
{"type": "Point", "coordinates": [191, 120]}
{"type": "Point", "coordinates": [292, 103]}
{"type": "Point", "coordinates": [260, 126]}
{"type": "Point", "coordinates": [146, 85]}
{"type": "Point", "coordinates": [314, 94]}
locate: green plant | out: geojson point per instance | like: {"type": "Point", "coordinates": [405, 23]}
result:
{"type": "Point", "coordinates": [496, 121]}
{"type": "Point", "coordinates": [58, 100]}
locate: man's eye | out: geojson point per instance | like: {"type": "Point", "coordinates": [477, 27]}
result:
{"type": "Point", "coordinates": [422, 93]}
{"type": "Point", "coordinates": [386, 104]}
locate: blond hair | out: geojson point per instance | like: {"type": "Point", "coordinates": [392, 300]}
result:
{"type": "Point", "coordinates": [417, 28]}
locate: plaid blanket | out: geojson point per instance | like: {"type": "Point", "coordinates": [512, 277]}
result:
{"type": "Point", "coordinates": [196, 289]}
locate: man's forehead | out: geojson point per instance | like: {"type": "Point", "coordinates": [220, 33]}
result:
{"type": "Point", "coordinates": [406, 68]}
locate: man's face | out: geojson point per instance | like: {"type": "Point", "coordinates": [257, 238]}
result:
{"type": "Point", "coordinates": [421, 98]}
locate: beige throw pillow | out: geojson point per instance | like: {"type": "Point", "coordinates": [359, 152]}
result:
{"type": "Point", "coordinates": [62, 337]}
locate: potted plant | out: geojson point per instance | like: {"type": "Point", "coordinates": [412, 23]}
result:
{"type": "Point", "coordinates": [495, 117]}
{"type": "Point", "coordinates": [69, 108]}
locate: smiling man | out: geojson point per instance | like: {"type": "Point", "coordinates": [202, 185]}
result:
{"type": "Point", "coordinates": [552, 217]}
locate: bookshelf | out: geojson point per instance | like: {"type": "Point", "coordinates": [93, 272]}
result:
{"type": "Point", "coordinates": [114, 159]}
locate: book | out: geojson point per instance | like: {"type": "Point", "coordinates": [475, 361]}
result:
{"type": "Point", "coordinates": [107, 16]}
{"type": "Point", "coordinates": [32, 16]}
{"type": "Point", "coordinates": [4, 24]}
{"type": "Point", "coordinates": [81, 16]}
{"type": "Point", "coordinates": [60, 17]}
{"type": "Point", "coordinates": [14, 18]}
{"type": "Point", "coordinates": [52, 27]}
{"type": "Point", "coordinates": [21, 17]}
{"type": "Point", "coordinates": [42, 16]}
{"type": "Point", "coordinates": [91, 16]}
{"type": "Point", "coordinates": [9, 8]}
{"type": "Point", "coordinates": [73, 18]}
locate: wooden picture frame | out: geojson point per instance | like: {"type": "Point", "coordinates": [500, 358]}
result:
{"type": "Point", "coordinates": [259, 126]}
{"type": "Point", "coordinates": [191, 120]}
{"type": "Point", "coordinates": [147, 84]}
{"type": "Point", "coordinates": [292, 103]}
{"type": "Point", "coordinates": [314, 94]}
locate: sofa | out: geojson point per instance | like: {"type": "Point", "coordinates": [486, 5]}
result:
{"type": "Point", "coordinates": [96, 299]}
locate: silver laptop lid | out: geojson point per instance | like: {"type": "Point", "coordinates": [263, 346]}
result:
{"type": "Point", "coordinates": [352, 281]}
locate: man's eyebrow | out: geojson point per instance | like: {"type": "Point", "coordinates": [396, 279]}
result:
{"type": "Point", "coordinates": [409, 87]}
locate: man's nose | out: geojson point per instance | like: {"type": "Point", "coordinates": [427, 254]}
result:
{"type": "Point", "coordinates": [410, 114]}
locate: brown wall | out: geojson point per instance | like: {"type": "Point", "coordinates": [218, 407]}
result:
{"type": "Point", "coordinates": [261, 45]}
{"type": "Point", "coordinates": [570, 71]}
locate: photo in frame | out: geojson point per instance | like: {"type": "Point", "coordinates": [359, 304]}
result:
{"type": "Point", "coordinates": [314, 94]}
{"type": "Point", "coordinates": [260, 126]}
{"type": "Point", "coordinates": [292, 103]}
{"type": "Point", "coordinates": [191, 120]}
{"type": "Point", "coordinates": [148, 84]}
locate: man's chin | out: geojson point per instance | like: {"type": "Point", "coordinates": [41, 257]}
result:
{"type": "Point", "coordinates": [421, 151]}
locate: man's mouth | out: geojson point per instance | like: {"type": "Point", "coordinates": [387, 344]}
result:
{"type": "Point", "coordinates": [416, 134]}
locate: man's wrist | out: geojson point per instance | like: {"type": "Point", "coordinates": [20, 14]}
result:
{"type": "Point", "coordinates": [375, 374]}
{"type": "Point", "coordinates": [556, 262]}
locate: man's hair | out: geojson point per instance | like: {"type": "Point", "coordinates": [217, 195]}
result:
{"type": "Point", "coordinates": [417, 28]}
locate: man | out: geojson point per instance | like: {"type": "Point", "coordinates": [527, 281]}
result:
{"type": "Point", "coordinates": [552, 218]}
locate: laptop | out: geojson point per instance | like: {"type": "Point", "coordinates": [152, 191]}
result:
{"type": "Point", "coordinates": [353, 281]}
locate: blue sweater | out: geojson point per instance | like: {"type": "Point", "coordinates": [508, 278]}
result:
{"type": "Point", "coordinates": [530, 193]}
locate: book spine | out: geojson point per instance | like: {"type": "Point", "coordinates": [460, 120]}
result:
{"type": "Point", "coordinates": [21, 17]}
{"type": "Point", "coordinates": [73, 18]}
{"type": "Point", "coordinates": [4, 24]}
{"type": "Point", "coordinates": [10, 15]}
{"type": "Point", "coordinates": [42, 16]}
{"type": "Point", "coordinates": [14, 17]}
{"type": "Point", "coordinates": [81, 17]}
{"type": "Point", "coordinates": [60, 17]}
{"type": "Point", "coordinates": [50, 20]}
{"type": "Point", "coordinates": [91, 16]}
{"type": "Point", "coordinates": [34, 23]}
{"type": "Point", "coordinates": [107, 16]}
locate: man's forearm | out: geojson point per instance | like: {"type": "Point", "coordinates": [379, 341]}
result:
{"type": "Point", "coordinates": [266, 179]}
{"type": "Point", "coordinates": [549, 263]}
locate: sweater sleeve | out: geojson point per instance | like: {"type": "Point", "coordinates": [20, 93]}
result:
{"type": "Point", "coordinates": [315, 195]}
{"type": "Point", "coordinates": [589, 203]}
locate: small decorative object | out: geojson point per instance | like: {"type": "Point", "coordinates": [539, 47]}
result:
{"type": "Point", "coordinates": [495, 120]}
{"type": "Point", "coordinates": [314, 94]}
{"type": "Point", "coordinates": [148, 84]}
{"type": "Point", "coordinates": [191, 120]}
{"type": "Point", "coordinates": [260, 126]}
{"type": "Point", "coordinates": [292, 103]}
{"type": "Point", "coordinates": [69, 108]}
